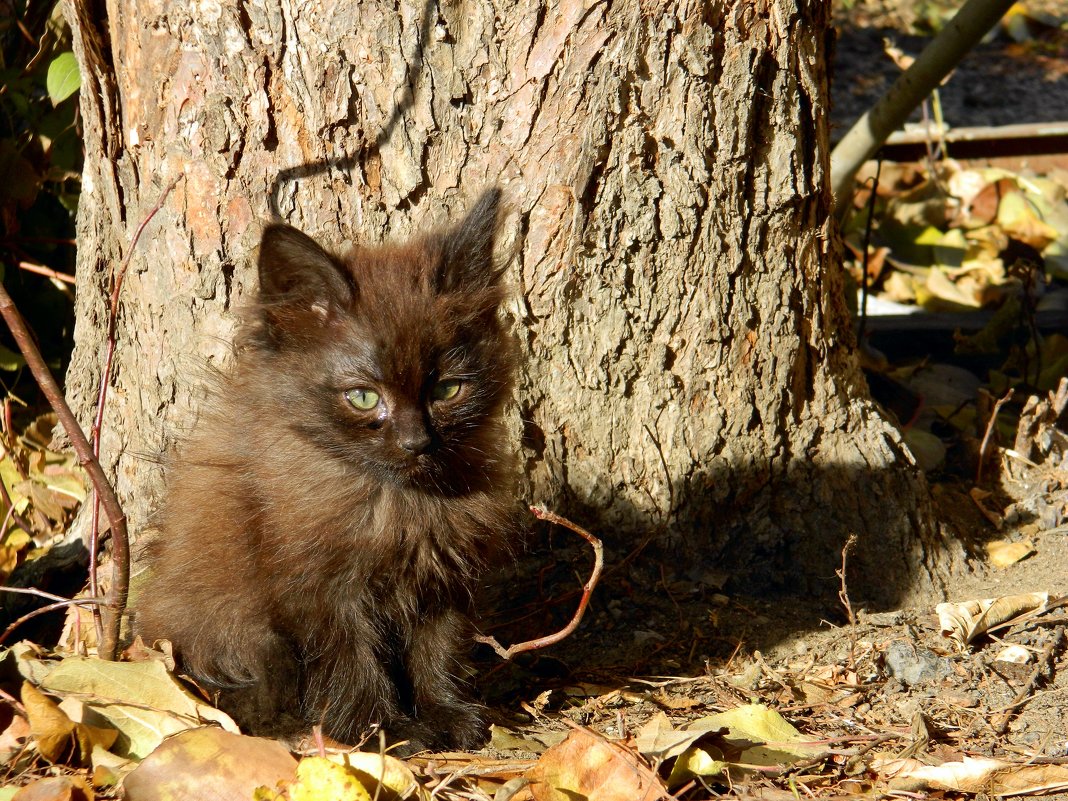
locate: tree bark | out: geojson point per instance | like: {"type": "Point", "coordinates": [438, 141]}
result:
{"type": "Point", "coordinates": [689, 367]}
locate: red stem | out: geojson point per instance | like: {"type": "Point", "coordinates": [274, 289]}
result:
{"type": "Point", "coordinates": [102, 394]}
{"type": "Point", "coordinates": [587, 590]}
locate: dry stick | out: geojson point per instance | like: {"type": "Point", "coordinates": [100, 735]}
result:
{"type": "Point", "coordinates": [105, 379]}
{"type": "Point", "coordinates": [50, 608]}
{"type": "Point", "coordinates": [989, 431]}
{"type": "Point", "coordinates": [116, 601]}
{"type": "Point", "coordinates": [953, 42]}
{"type": "Point", "coordinates": [865, 280]}
{"type": "Point", "coordinates": [48, 272]}
{"type": "Point", "coordinates": [1048, 660]}
{"type": "Point", "coordinates": [587, 589]}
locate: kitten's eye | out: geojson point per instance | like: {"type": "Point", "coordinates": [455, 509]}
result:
{"type": "Point", "coordinates": [362, 399]}
{"type": "Point", "coordinates": [446, 390]}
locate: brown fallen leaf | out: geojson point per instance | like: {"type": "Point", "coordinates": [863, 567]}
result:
{"type": "Point", "coordinates": [1003, 553]}
{"type": "Point", "coordinates": [209, 764]}
{"type": "Point", "coordinates": [52, 730]}
{"type": "Point", "coordinates": [57, 733]}
{"type": "Point", "coordinates": [962, 622]}
{"type": "Point", "coordinates": [56, 788]}
{"type": "Point", "coordinates": [589, 767]}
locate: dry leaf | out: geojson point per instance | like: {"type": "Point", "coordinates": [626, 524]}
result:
{"type": "Point", "coordinates": [51, 728]}
{"type": "Point", "coordinates": [991, 777]}
{"type": "Point", "coordinates": [373, 769]}
{"type": "Point", "coordinates": [1016, 654]}
{"type": "Point", "coordinates": [1002, 553]}
{"type": "Point", "coordinates": [56, 788]}
{"type": "Point", "coordinates": [318, 779]}
{"type": "Point", "coordinates": [585, 766]}
{"type": "Point", "coordinates": [963, 622]}
{"type": "Point", "coordinates": [140, 699]}
{"type": "Point", "coordinates": [209, 764]}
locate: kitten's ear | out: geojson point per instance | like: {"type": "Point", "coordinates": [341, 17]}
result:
{"type": "Point", "coordinates": [295, 271]}
{"type": "Point", "coordinates": [468, 248]}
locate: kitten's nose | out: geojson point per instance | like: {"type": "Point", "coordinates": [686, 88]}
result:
{"type": "Point", "coordinates": [415, 442]}
{"type": "Point", "coordinates": [411, 432]}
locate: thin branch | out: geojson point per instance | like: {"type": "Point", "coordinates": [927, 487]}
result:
{"type": "Point", "coordinates": [102, 394]}
{"type": "Point", "coordinates": [864, 278]}
{"type": "Point", "coordinates": [48, 272]}
{"type": "Point", "coordinates": [50, 608]}
{"type": "Point", "coordinates": [587, 589]}
{"type": "Point", "coordinates": [120, 542]}
{"type": "Point", "coordinates": [989, 432]}
{"type": "Point", "coordinates": [1045, 663]}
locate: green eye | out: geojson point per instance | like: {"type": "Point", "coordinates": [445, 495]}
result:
{"type": "Point", "coordinates": [362, 399]}
{"type": "Point", "coordinates": [446, 390]}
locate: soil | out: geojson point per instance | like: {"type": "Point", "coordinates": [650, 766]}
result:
{"type": "Point", "coordinates": [664, 637]}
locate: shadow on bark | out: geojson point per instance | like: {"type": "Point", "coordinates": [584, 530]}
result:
{"type": "Point", "coordinates": [347, 162]}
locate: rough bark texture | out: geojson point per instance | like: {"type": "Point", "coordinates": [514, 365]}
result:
{"type": "Point", "coordinates": [689, 366]}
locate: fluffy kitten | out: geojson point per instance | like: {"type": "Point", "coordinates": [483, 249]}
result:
{"type": "Point", "coordinates": [324, 526]}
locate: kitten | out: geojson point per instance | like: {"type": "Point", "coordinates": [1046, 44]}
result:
{"type": "Point", "coordinates": [324, 526]}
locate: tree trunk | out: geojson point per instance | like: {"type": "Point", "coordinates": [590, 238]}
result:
{"type": "Point", "coordinates": [689, 359]}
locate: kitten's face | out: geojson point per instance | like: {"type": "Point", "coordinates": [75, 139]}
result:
{"type": "Point", "coordinates": [401, 363]}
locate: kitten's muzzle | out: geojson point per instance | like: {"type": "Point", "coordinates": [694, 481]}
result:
{"type": "Point", "coordinates": [411, 433]}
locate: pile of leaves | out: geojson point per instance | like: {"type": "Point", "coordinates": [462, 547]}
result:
{"type": "Point", "coordinates": [957, 239]}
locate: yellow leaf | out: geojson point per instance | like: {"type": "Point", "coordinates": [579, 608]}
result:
{"type": "Point", "coordinates": [318, 778]}
{"type": "Point", "coordinates": [373, 769]}
{"type": "Point", "coordinates": [694, 762]}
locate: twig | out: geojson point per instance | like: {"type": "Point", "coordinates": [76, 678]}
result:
{"type": "Point", "coordinates": [20, 521]}
{"type": "Point", "coordinates": [967, 27]}
{"type": "Point", "coordinates": [864, 279]}
{"type": "Point", "coordinates": [587, 589]}
{"type": "Point", "coordinates": [40, 269]}
{"type": "Point", "coordinates": [989, 431]}
{"type": "Point", "coordinates": [36, 593]}
{"type": "Point", "coordinates": [1047, 661]}
{"type": "Point", "coordinates": [102, 394]}
{"type": "Point", "coordinates": [14, 702]}
{"type": "Point", "coordinates": [50, 608]}
{"type": "Point", "coordinates": [120, 542]}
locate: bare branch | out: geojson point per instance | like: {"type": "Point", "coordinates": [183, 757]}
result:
{"type": "Point", "coordinates": [936, 61]}
{"type": "Point", "coordinates": [587, 589]}
{"type": "Point", "coordinates": [120, 542]}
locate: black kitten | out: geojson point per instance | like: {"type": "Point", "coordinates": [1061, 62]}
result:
{"type": "Point", "coordinates": [324, 526]}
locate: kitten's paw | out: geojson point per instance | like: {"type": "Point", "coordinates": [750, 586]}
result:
{"type": "Point", "coordinates": [463, 727]}
{"type": "Point", "coordinates": [459, 727]}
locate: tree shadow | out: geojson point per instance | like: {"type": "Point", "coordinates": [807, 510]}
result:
{"type": "Point", "coordinates": [348, 161]}
{"type": "Point", "coordinates": [745, 569]}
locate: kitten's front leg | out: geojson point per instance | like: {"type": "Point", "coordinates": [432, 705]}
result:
{"type": "Point", "coordinates": [444, 715]}
{"type": "Point", "coordinates": [347, 686]}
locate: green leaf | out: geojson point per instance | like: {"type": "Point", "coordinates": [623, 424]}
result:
{"type": "Point", "coordinates": [63, 77]}
{"type": "Point", "coordinates": [9, 360]}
